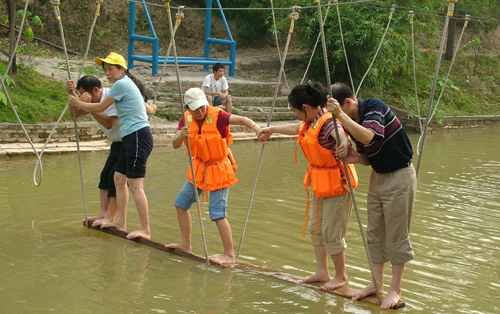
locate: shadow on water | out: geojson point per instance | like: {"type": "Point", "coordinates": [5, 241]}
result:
{"type": "Point", "coordinates": [50, 263]}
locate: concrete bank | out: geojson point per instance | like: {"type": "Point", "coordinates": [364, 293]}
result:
{"type": "Point", "coordinates": [13, 141]}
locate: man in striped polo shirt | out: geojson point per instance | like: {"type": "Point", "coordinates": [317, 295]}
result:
{"type": "Point", "coordinates": [381, 143]}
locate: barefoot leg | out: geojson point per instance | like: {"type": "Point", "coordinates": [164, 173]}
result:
{"type": "Point", "coordinates": [340, 278]}
{"type": "Point", "coordinates": [110, 217]}
{"type": "Point", "coordinates": [394, 294]}
{"type": "Point", "coordinates": [141, 202]}
{"type": "Point", "coordinates": [103, 196]}
{"type": "Point", "coordinates": [322, 273]}
{"type": "Point", "coordinates": [378, 269]}
{"type": "Point", "coordinates": [227, 242]}
{"type": "Point", "coordinates": [186, 226]}
{"type": "Point", "coordinates": [122, 202]}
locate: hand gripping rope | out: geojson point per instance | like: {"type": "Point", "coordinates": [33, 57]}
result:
{"type": "Point", "coordinates": [200, 217]}
{"type": "Point", "coordinates": [293, 17]}
{"type": "Point", "coordinates": [378, 49]}
{"type": "Point", "coordinates": [178, 18]}
{"type": "Point", "coordinates": [6, 92]}
{"type": "Point", "coordinates": [329, 88]}
{"type": "Point", "coordinates": [451, 8]}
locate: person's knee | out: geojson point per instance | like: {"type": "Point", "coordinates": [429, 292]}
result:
{"type": "Point", "coordinates": [210, 99]}
{"type": "Point", "coordinates": [120, 179]}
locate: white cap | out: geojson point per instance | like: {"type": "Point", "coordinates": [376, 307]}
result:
{"type": "Point", "coordinates": [195, 98]}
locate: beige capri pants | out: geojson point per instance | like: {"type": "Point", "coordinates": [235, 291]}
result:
{"type": "Point", "coordinates": [334, 215]}
{"type": "Point", "coordinates": [389, 206]}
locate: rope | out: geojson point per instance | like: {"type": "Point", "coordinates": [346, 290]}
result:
{"type": "Point", "coordinates": [314, 49]}
{"type": "Point", "coordinates": [467, 18]}
{"type": "Point", "coordinates": [57, 13]}
{"type": "Point", "coordinates": [253, 8]}
{"type": "Point", "coordinates": [378, 49]}
{"type": "Point", "coordinates": [451, 7]}
{"type": "Point", "coordinates": [351, 190]}
{"type": "Point", "coordinates": [410, 15]}
{"type": "Point", "coordinates": [278, 45]}
{"type": "Point", "coordinates": [6, 92]}
{"type": "Point", "coordinates": [200, 218]}
{"type": "Point", "coordinates": [293, 17]}
{"type": "Point", "coordinates": [178, 18]}
{"type": "Point", "coordinates": [343, 44]}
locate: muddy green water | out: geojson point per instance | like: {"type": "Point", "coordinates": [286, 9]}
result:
{"type": "Point", "coordinates": [50, 263]}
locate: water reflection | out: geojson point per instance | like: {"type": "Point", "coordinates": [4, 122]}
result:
{"type": "Point", "coordinates": [50, 263]}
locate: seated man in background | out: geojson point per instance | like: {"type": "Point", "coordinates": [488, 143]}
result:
{"type": "Point", "coordinates": [216, 88]}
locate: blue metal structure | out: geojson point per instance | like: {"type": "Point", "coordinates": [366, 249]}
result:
{"type": "Point", "coordinates": [155, 59]}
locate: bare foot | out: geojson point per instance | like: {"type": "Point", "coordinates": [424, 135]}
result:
{"type": "Point", "coordinates": [92, 219]}
{"type": "Point", "coordinates": [391, 299]}
{"type": "Point", "coordinates": [116, 224]}
{"type": "Point", "coordinates": [100, 222]}
{"type": "Point", "coordinates": [179, 246]}
{"type": "Point", "coordinates": [139, 234]}
{"type": "Point", "coordinates": [368, 290]}
{"type": "Point", "coordinates": [334, 284]}
{"type": "Point", "coordinates": [316, 277]}
{"type": "Point", "coordinates": [224, 260]}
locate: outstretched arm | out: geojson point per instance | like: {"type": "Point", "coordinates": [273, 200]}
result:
{"type": "Point", "coordinates": [287, 129]}
{"type": "Point", "coordinates": [239, 120]}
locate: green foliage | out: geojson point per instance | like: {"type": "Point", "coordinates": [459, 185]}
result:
{"type": "Point", "coordinates": [37, 99]}
{"type": "Point", "coordinates": [28, 33]}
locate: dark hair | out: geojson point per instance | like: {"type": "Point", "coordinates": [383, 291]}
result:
{"type": "Point", "coordinates": [139, 85]}
{"type": "Point", "coordinates": [340, 92]}
{"type": "Point", "coordinates": [218, 66]}
{"type": "Point", "coordinates": [314, 96]}
{"type": "Point", "coordinates": [88, 83]}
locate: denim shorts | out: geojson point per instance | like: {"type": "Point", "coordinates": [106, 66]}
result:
{"type": "Point", "coordinates": [217, 100]}
{"type": "Point", "coordinates": [218, 200]}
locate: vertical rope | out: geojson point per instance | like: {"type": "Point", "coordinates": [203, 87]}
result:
{"type": "Point", "coordinates": [343, 44]}
{"type": "Point", "coordinates": [178, 18]}
{"type": "Point", "coordinates": [467, 18]}
{"type": "Point", "coordinates": [351, 190]}
{"type": "Point", "coordinates": [315, 45]}
{"type": "Point", "coordinates": [57, 13]}
{"type": "Point", "coordinates": [410, 15]}
{"type": "Point", "coordinates": [451, 8]}
{"type": "Point", "coordinates": [6, 92]}
{"type": "Point", "coordinates": [293, 17]}
{"type": "Point", "coordinates": [378, 49]}
{"type": "Point", "coordinates": [278, 45]}
{"type": "Point", "coordinates": [200, 217]}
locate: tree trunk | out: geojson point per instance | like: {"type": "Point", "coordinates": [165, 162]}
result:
{"type": "Point", "coordinates": [450, 44]}
{"type": "Point", "coordinates": [11, 9]}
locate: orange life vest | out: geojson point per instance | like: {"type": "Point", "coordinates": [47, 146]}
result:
{"type": "Point", "coordinates": [326, 173]}
{"type": "Point", "coordinates": [213, 162]}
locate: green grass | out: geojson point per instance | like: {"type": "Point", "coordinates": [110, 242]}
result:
{"type": "Point", "coordinates": [38, 99]}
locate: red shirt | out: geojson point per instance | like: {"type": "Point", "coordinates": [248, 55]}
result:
{"type": "Point", "coordinates": [222, 123]}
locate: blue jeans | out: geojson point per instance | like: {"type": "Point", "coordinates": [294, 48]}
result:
{"type": "Point", "coordinates": [218, 200]}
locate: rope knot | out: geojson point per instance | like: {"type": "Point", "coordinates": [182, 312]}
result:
{"type": "Point", "coordinates": [55, 2]}
{"type": "Point", "coordinates": [393, 8]}
{"type": "Point", "coordinates": [295, 13]}
{"type": "Point", "coordinates": [180, 12]}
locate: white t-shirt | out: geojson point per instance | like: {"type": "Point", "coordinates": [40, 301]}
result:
{"type": "Point", "coordinates": [113, 133]}
{"type": "Point", "coordinates": [213, 85]}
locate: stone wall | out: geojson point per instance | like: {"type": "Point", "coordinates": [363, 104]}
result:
{"type": "Point", "coordinates": [89, 131]}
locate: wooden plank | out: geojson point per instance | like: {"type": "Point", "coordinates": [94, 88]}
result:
{"type": "Point", "coordinates": [344, 291]}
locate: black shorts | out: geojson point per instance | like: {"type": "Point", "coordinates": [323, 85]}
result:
{"type": "Point", "coordinates": [134, 153]}
{"type": "Point", "coordinates": [107, 182]}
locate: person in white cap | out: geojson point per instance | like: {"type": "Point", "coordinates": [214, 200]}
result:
{"type": "Point", "coordinates": [207, 128]}
{"type": "Point", "coordinates": [129, 96]}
